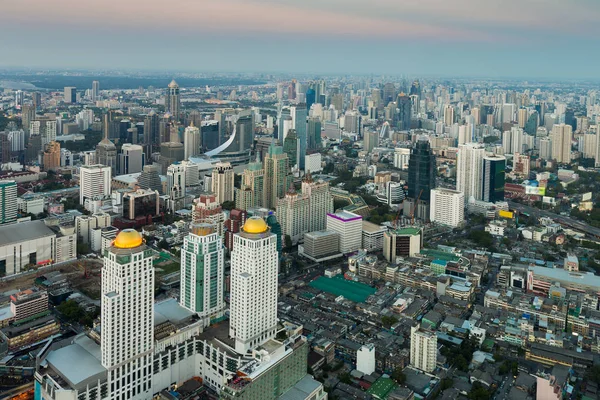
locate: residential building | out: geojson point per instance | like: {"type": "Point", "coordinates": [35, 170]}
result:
{"type": "Point", "coordinates": [222, 182]}
{"type": "Point", "coordinates": [251, 193]}
{"type": "Point", "coordinates": [423, 349]}
{"type": "Point", "coordinates": [94, 182]}
{"type": "Point", "coordinates": [365, 359]}
{"type": "Point", "coordinates": [206, 207]}
{"type": "Point", "coordinates": [192, 141]}
{"type": "Point", "coordinates": [447, 207]}
{"type": "Point", "coordinates": [277, 176]}
{"type": "Point", "coordinates": [84, 224]}
{"type": "Point", "coordinates": [469, 170]}
{"type": "Point", "coordinates": [8, 202]}
{"type": "Point", "coordinates": [349, 227]}
{"type": "Point", "coordinates": [562, 135]}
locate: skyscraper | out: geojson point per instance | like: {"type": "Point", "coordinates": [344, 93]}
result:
{"type": "Point", "coordinates": [51, 156]}
{"type": "Point", "coordinates": [70, 94]}
{"type": "Point", "coordinates": [291, 147]}
{"type": "Point", "coordinates": [254, 268]}
{"type": "Point", "coordinates": [94, 181]}
{"type": "Point", "coordinates": [562, 135]}
{"type": "Point", "coordinates": [95, 90]}
{"type": "Point", "coordinates": [313, 133]}
{"type": "Point", "coordinates": [131, 159]}
{"type": "Point", "coordinates": [493, 177]}
{"type": "Point", "coordinates": [253, 183]}
{"type": "Point", "coordinates": [310, 97]}
{"type": "Point", "coordinates": [206, 207]}
{"type": "Point", "coordinates": [173, 100]}
{"type": "Point", "coordinates": [8, 202]}
{"type": "Point", "coordinates": [389, 93]}
{"type": "Point", "coordinates": [300, 114]}
{"type": "Point", "coordinates": [203, 272]}
{"type": "Point", "coordinates": [370, 140]}
{"type": "Point", "coordinates": [421, 179]}
{"type": "Point", "coordinates": [448, 115]}
{"type": "Point", "coordinates": [404, 105]}
{"type": "Point", "coordinates": [127, 299]}
{"type": "Point", "coordinates": [423, 349]}
{"type": "Point", "coordinates": [222, 182]}
{"type": "Point", "coordinates": [277, 177]}
{"type": "Point", "coordinates": [106, 151]}
{"type": "Point", "coordinates": [469, 165]}
{"type": "Point", "coordinates": [151, 132]}
{"type": "Point", "coordinates": [191, 141]}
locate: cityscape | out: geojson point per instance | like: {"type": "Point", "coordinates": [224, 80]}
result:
{"type": "Point", "coordinates": [301, 224]}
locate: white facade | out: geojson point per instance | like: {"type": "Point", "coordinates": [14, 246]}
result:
{"type": "Point", "coordinates": [401, 157]}
{"type": "Point", "coordinates": [423, 349]}
{"type": "Point", "coordinates": [32, 206]}
{"type": "Point", "coordinates": [203, 272]}
{"type": "Point", "coordinates": [254, 269]}
{"type": "Point", "coordinates": [365, 359]}
{"type": "Point", "coordinates": [127, 300]}
{"type": "Point", "coordinates": [562, 136]}
{"type": "Point", "coordinates": [8, 202]}
{"type": "Point", "coordinates": [372, 236]}
{"type": "Point", "coordinates": [447, 207]}
{"type": "Point", "coordinates": [191, 141]}
{"type": "Point", "coordinates": [312, 163]}
{"type": "Point", "coordinates": [469, 170]}
{"type": "Point", "coordinates": [94, 181]}
{"type": "Point", "coordinates": [85, 223]}
{"type": "Point", "coordinates": [222, 182]}
{"type": "Point", "coordinates": [349, 226]}
{"type": "Point", "coordinates": [131, 159]}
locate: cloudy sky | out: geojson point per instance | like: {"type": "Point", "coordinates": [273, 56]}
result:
{"type": "Point", "coordinates": [495, 38]}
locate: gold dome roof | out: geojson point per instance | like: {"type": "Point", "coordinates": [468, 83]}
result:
{"type": "Point", "coordinates": [128, 239]}
{"type": "Point", "coordinates": [255, 225]}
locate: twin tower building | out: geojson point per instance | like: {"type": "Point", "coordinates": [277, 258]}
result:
{"type": "Point", "coordinates": [145, 347]}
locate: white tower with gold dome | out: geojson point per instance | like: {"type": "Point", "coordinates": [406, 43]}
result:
{"type": "Point", "coordinates": [254, 266]}
{"type": "Point", "coordinates": [127, 317]}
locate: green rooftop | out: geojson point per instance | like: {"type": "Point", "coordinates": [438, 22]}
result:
{"type": "Point", "coordinates": [408, 231]}
{"type": "Point", "coordinates": [381, 388]}
{"type": "Point", "coordinates": [439, 255]}
{"type": "Point", "coordinates": [354, 291]}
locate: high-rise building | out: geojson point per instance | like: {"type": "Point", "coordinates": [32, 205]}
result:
{"type": "Point", "coordinates": [277, 176]}
{"type": "Point", "coordinates": [95, 90]}
{"type": "Point", "coordinates": [222, 182]}
{"type": "Point", "coordinates": [203, 272]}
{"type": "Point", "coordinates": [469, 170]}
{"type": "Point", "coordinates": [27, 115]}
{"type": "Point", "coordinates": [492, 178]}
{"type": "Point", "coordinates": [173, 100]}
{"type": "Point", "coordinates": [300, 114]}
{"type": "Point", "coordinates": [349, 226]}
{"type": "Point", "coordinates": [365, 359]}
{"type": "Point", "coordinates": [8, 202]}
{"type": "Point", "coordinates": [545, 148]}
{"type": "Point", "coordinates": [447, 207]}
{"type": "Point", "coordinates": [476, 113]}
{"type": "Point", "coordinates": [236, 220]}
{"type": "Point", "coordinates": [131, 159]}
{"type": "Point", "coordinates": [150, 178]}
{"type": "Point", "coordinates": [254, 269]}
{"type": "Point", "coordinates": [448, 115]}
{"type": "Point", "coordinates": [106, 151]}
{"type": "Point", "coordinates": [251, 194]}
{"type": "Point", "coordinates": [70, 94]}
{"type": "Point", "coordinates": [151, 132]}
{"type": "Point", "coordinates": [94, 181]}
{"type": "Point", "coordinates": [313, 133]}
{"type": "Point", "coordinates": [403, 242]}
{"type": "Point", "coordinates": [423, 349]}
{"type": "Point", "coordinates": [421, 179]}
{"type": "Point", "coordinates": [51, 156]}
{"type": "Point", "coordinates": [206, 207]}
{"type": "Point", "coordinates": [522, 117]}
{"type": "Point", "coordinates": [404, 105]}
{"type": "Point", "coordinates": [127, 300]}
{"type": "Point", "coordinates": [192, 141]}
{"type": "Point", "coordinates": [370, 140]}
{"type": "Point", "coordinates": [562, 135]}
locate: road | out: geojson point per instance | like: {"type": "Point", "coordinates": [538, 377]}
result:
{"type": "Point", "coordinates": [19, 389]}
{"type": "Point", "coordinates": [561, 219]}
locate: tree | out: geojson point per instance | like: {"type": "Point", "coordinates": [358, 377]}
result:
{"type": "Point", "coordinates": [399, 376]}
{"type": "Point", "coordinates": [345, 377]}
{"type": "Point", "coordinates": [446, 383]}
{"type": "Point", "coordinates": [83, 248]}
{"type": "Point", "coordinates": [478, 392]}
{"type": "Point", "coordinates": [228, 205]}
{"type": "Point", "coordinates": [287, 242]}
{"type": "Point", "coordinates": [593, 374]}
{"type": "Point", "coordinates": [388, 321]}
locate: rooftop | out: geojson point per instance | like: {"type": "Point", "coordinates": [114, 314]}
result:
{"type": "Point", "coordinates": [24, 232]}
{"type": "Point", "coordinates": [370, 227]}
{"type": "Point", "coordinates": [345, 216]}
{"type": "Point", "coordinates": [576, 278]}
{"type": "Point", "coordinates": [354, 291]}
{"type": "Point", "coordinates": [88, 365]}
{"type": "Point", "coordinates": [170, 310]}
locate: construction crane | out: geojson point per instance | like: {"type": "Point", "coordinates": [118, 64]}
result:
{"type": "Point", "coordinates": [412, 213]}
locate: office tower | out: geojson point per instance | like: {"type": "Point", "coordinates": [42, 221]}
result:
{"type": "Point", "coordinates": [476, 113]}
{"type": "Point", "coordinates": [5, 147]}
{"type": "Point", "coordinates": [469, 170]}
{"type": "Point", "coordinates": [448, 115]}
{"type": "Point", "coordinates": [545, 148]}
{"type": "Point", "coordinates": [402, 242]}
{"type": "Point", "coordinates": [291, 147]}
{"type": "Point", "coordinates": [349, 227]}
{"type": "Point", "coordinates": [206, 207]}
{"type": "Point", "coordinates": [447, 207]}
{"type": "Point", "coordinates": [8, 202]}
{"type": "Point", "coordinates": [127, 315]}
{"type": "Point", "coordinates": [131, 159]}
{"type": "Point", "coordinates": [173, 100]}
{"type": "Point", "coordinates": [370, 140]}
{"type": "Point", "coordinates": [171, 151]}
{"type": "Point", "coordinates": [95, 90]}
{"type": "Point", "coordinates": [16, 140]}
{"type": "Point", "coordinates": [209, 130]}
{"type": "Point", "coordinates": [277, 177]}
{"type": "Point", "coordinates": [532, 124]}
{"type": "Point", "coordinates": [27, 115]}
{"type": "Point", "coordinates": [522, 117]}
{"type": "Point", "coordinates": [493, 177]}
{"type": "Point", "coordinates": [313, 133]}
{"type": "Point", "coordinates": [85, 119]}
{"type": "Point", "coordinates": [423, 349]}
{"type": "Point", "coordinates": [94, 181]}
{"type": "Point", "coordinates": [192, 173]}
{"type": "Point", "coordinates": [404, 105]}
{"type": "Point", "coordinates": [421, 179]}
{"type": "Point", "coordinates": [176, 185]}
{"type": "Point", "coordinates": [191, 141]}
{"type": "Point", "coordinates": [389, 93]}
{"type": "Point", "coordinates": [236, 145]}
{"type": "Point", "coordinates": [222, 182]}
{"type": "Point", "coordinates": [300, 126]}
{"type": "Point", "coordinates": [51, 156]}
{"type": "Point", "coordinates": [561, 143]}
{"type": "Point", "coordinates": [141, 205]}
{"type": "Point", "coordinates": [401, 157]}
{"type": "Point", "coordinates": [352, 122]}
{"type": "Point", "coordinates": [151, 132]}
{"type": "Point", "coordinates": [37, 100]}
{"type": "Point", "coordinates": [203, 272]}
{"type": "Point", "coordinates": [251, 193]}
{"type": "Point", "coordinates": [337, 101]}
{"type": "Point", "coordinates": [311, 97]}
{"type": "Point", "coordinates": [106, 151]}
{"type": "Point", "coordinates": [150, 178]}
{"type": "Point", "coordinates": [34, 146]}
{"type": "Point", "coordinates": [70, 95]}
{"type": "Point", "coordinates": [254, 269]}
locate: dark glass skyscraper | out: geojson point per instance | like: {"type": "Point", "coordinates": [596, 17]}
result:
{"type": "Point", "coordinates": [404, 105]}
{"type": "Point", "coordinates": [313, 133]}
{"type": "Point", "coordinates": [421, 170]}
{"type": "Point", "coordinates": [494, 168]}
{"type": "Point", "coordinates": [311, 97]}
{"type": "Point", "coordinates": [300, 122]}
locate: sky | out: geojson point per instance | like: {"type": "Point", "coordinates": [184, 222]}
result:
{"type": "Point", "coordinates": [480, 38]}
